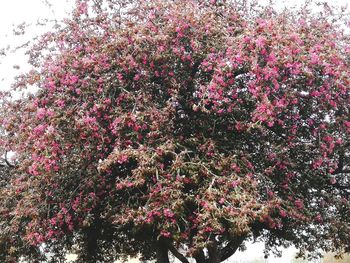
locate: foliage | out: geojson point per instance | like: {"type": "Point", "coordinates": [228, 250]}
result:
{"type": "Point", "coordinates": [182, 126]}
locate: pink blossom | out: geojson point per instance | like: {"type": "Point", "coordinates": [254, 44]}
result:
{"type": "Point", "coordinates": [333, 180]}
{"type": "Point", "coordinates": [165, 233]}
{"type": "Point", "coordinates": [260, 42]}
{"type": "Point", "coordinates": [299, 204]}
{"type": "Point", "coordinates": [73, 79]}
{"type": "Point", "coordinates": [41, 112]}
{"type": "Point", "coordinates": [168, 213]}
{"type": "Point", "coordinates": [122, 158]}
{"type": "Point", "coordinates": [314, 59]}
{"type": "Point", "coordinates": [38, 130]}
{"type": "Point", "coordinates": [60, 103]}
{"type": "Point", "coordinates": [282, 213]}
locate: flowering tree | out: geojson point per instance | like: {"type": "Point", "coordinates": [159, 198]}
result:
{"type": "Point", "coordinates": [179, 127]}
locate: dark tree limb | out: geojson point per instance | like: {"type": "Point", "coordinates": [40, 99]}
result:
{"type": "Point", "coordinates": [341, 171]}
{"type": "Point", "coordinates": [200, 257]}
{"type": "Point", "coordinates": [341, 187]}
{"type": "Point", "coordinates": [195, 68]}
{"type": "Point", "coordinates": [340, 162]}
{"type": "Point", "coordinates": [231, 247]}
{"type": "Point", "coordinates": [162, 252]}
{"type": "Point", "coordinates": [7, 162]}
{"type": "Point", "coordinates": [214, 253]}
{"type": "Point", "coordinates": [177, 254]}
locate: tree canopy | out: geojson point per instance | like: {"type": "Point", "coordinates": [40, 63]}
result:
{"type": "Point", "coordinates": [179, 127]}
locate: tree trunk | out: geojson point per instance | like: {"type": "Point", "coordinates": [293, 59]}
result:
{"type": "Point", "coordinates": [213, 253]}
{"type": "Point", "coordinates": [162, 252]}
{"type": "Point", "coordinates": [200, 257]}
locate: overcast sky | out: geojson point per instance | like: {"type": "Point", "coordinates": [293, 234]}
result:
{"type": "Point", "coordinates": [17, 11]}
{"type": "Point", "coordinates": [14, 12]}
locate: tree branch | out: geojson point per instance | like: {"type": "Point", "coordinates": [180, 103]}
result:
{"type": "Point", "coordinates": [177, 254]}
{"type": "Point", "coordinates": [340, 162]}
{"type": "Point", "coordinates": [231, 247]}
{"type": "Point", "coordinates": [341, 187]}
{"type": "Point", "coordinates": [200, 257]}
{"type": "Point", "coordinates": [7, 162]}
{"type": "Point", "coordinates": [213, 252]}
{"type": "Point", "coordinates": [341, 171]}
{"type": "Point", "coordinates": [161, 252]}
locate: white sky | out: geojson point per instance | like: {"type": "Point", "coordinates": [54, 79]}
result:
{"type": "Point", "coordinates": [14, 12]}
{"type": "Point", "coordinates": [18, 11]}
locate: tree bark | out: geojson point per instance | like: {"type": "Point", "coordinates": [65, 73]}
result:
{"type": "Point", "coordinates": [200, 257]}
{"type": "Point", "coordinates": [231, 247]}
{"type": "Point", "coordinates": [162, 252]}
{"type": "Point", "coordinates": [213, 253]}
{"type": "Point", "coordinates": [177, 254]}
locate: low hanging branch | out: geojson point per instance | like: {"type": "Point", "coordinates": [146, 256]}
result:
{"type": "Point", "coordinates": [177, 254]}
